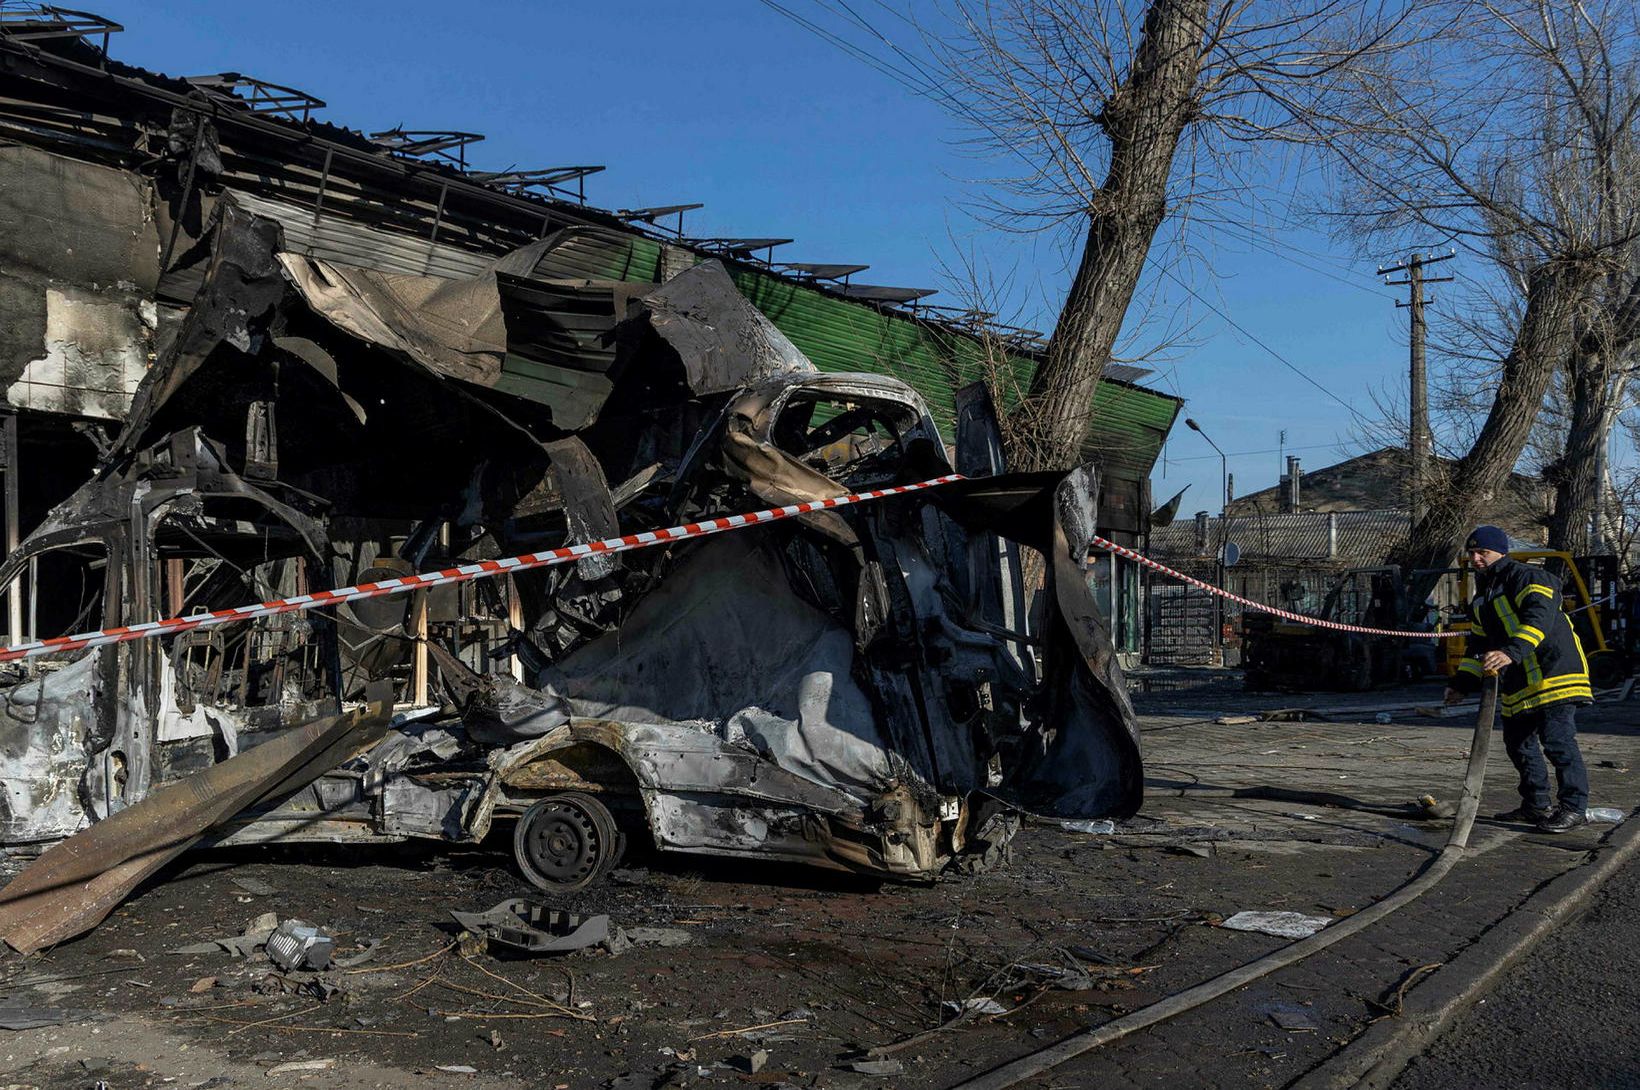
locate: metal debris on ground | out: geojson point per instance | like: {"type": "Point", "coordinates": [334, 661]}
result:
{"type": "Point", "coordinates": [254, 937]}
{"type": "Point", "coordinates": [1287, 925]}
{"type": "Point", "coordinates": [21, 1018]}
{"type": "Point", "coordinates": [1294, 1020]}
{"type": "Point", "coordinates": [298, 945]}
{"type": "Point", "coordinates": [625, 938]}
{"type": "Point", "coordinates": [293, 1067]}
{"type": "Point", "coordinates": [365, 952]}
{"type": "Point", "coordinates": [981, 1006]}
{"type": "Point", "coordinates": [1199, 851]}
{"type": "Point", "coordinates": [881, 1068]}
{"type": "Point", "coordinates": [75, 884]}
{"type": "Point", "coordinates": [522, 926]}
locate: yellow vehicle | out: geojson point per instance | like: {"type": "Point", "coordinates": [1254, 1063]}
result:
{"type": "Point", "coordinates": [1590, 613]}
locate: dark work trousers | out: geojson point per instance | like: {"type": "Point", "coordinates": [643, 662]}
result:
{"type": "Point", "coordinates": [1556, 729]}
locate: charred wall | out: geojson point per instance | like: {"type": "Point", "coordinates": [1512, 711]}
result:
{"type": "Point", "coordinates": [79, 323]}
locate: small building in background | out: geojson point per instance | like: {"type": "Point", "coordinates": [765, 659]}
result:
{"type": "Point", "coordinates": [1377, 481]}
{"type": "Point", "coordinates": [1291, 542]}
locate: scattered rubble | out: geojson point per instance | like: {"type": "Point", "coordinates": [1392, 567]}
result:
{"type": "Point", "coordinates": [291, 1067]}
{"type": "Point", "coordinates": [298, 945]}
{"type": "Point", "coordinates": [1287, 925]}
{"type": "Point", "coordinates": [22, 1018]}
{"type": "Point", "coordinates": [1095, 828]}
{"type": "Point", "coordinates": [253, 938]}
{"type": "Point", "coordinates": [524, 927]}
{"type": "Point", "coordinates": [1294, 1020]}
{"type": "Point", "coordinates": [978, 1006]}
{"type": "Point", "coordinates": [882, 1068]}
{"type": "Point", "coordinates": [253, 886]}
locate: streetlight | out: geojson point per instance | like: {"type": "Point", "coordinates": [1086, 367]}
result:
{"type": "Point", "coordinates": [1224, 465]}
{"type": "Point", "coordinates": [1224, 538]}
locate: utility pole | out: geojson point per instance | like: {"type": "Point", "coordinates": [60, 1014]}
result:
{"type": "Point", "coordinates": [1418, 439]}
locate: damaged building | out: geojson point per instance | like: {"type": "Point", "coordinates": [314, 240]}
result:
{"type": "Point", "coordinates": [251, 356]}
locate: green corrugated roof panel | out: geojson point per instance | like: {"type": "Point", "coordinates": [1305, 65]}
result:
{"type": "Point", "coordinates": [1129, 425]}
{"type": "Point", "coordinates": [600, 253]}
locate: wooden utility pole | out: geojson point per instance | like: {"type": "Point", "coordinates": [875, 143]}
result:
{"type": "Point", "coordinates": [1418, 438]}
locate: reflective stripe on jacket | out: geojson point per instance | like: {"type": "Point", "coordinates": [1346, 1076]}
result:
{"type": "Point", "coordinates": [1517, 611]}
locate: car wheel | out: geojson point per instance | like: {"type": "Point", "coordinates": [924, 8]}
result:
{"type": "Point", "coordinates": [566, 841]}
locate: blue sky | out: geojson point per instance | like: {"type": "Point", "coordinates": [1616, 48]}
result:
{"type": "Point", "coordinates": [781, 134]}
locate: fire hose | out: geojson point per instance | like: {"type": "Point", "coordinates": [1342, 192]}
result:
{"type": "Point", "coordinates": [1457, 841]}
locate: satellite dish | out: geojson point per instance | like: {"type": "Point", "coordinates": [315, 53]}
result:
{"type": "Point", "coordinates": [1230, 554]}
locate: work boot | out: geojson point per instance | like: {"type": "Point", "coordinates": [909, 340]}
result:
{"type": "Point", "coordinates": [1563, 820]}
{"type": "Point", "coordinates": [1525, 814]}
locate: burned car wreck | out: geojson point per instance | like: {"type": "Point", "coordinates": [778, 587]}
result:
{"type": "Point", "coordinates": [868, 688]}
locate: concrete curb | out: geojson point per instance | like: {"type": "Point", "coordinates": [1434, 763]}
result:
{"type": "Point", "coordinates": [1379, 1055]}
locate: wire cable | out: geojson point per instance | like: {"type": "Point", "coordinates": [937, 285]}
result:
{"type": "Point", "coordinates": [1283, 360]}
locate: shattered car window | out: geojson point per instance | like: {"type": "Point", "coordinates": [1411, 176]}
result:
{"type": "Point", "coordinates": [64, 590]}
{"type": "Point", "coordinates": [845, 439]}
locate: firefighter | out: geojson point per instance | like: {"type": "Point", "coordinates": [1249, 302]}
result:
{"type": "Point", "coordinates": [1517, 629]}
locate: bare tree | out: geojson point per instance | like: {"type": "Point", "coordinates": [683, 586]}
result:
{"type": "Point", "coordinates": [1124, 115]}
{"type": "Point", "coordinates": [1507, 136]}
{"type": "Point", "coordinates": [1597, 372]}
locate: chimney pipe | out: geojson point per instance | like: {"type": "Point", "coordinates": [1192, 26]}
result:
{"type": "Point", "coordinates": [1201, 533]}
{"type": "Point", "coordinates": [1289, 483]}
{"type": "Point", "coordinates": [1332, 535]}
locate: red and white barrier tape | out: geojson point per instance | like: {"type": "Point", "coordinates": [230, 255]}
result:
{"type": "Point", "coordinates": [1302, 618]}
{"type": "Point", "coordinates": [484, 568]}
{"type": "Point", "coordinates": [465, 572]}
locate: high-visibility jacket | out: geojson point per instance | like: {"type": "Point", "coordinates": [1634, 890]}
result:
{"type": "Point", "coordinates": [1517, 611]}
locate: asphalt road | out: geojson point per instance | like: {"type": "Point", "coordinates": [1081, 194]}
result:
{"type": "Point", "coordinates": [1567, 1016]}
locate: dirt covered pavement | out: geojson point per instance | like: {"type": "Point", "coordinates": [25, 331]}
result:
{"type": "Point", "coordinates": [790, 976]}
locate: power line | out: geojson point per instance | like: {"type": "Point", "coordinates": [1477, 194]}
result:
{"type": "Point", "coordinates": [1255, 241]}
{"type": "Point", "coordinates": [1250, 453]}
{"type": "Point", "coordinates": [923, 84]}
{"type": "Point", "coordinates": [902, 78]}
{"type": "Point", "coordinates": [1244, 331]}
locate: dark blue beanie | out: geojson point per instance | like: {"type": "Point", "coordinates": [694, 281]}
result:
{"type": "Point", "coordinates": [1488, 537]}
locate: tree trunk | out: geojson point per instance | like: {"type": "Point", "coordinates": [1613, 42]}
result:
{"type": "Point", "coordinates": [1613, 529]}
{"type": "Point", "coordinates": [1143, 122]}
{"type": "Point", "coordinates": [1554, 292]}
{"type": "Point", "coordinates": [1576, 488]}
{"type": "Point", "coordinates": [1596, 379]}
